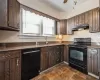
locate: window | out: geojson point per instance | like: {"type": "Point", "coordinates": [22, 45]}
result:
{"type": "Point", "coordinates": [48, 26]}
{"type": "Point", "coordinates": [34, 24]}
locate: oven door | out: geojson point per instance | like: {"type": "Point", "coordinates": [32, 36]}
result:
{"type": "Point", "coordinates": [78, 56]}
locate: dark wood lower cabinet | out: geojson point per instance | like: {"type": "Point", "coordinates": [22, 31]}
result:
{"type": "Point", "coordinates": [93, 61]}
{"type": "Point", "coordinates": [44, 59]}
{"type": "Point", "coordinates": [4, 68]}
{"type": "Point", "coordinates": [51, 56]}
{"type": "Point", "coordinates": [10, 65]}
{"type": "Point", "coordinates": [15, 69]}
{"type": "Point", "coordinates": [66, 54]}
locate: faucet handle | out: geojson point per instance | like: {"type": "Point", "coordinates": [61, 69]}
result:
{"type": "Point", "coordinates": [46, 42]}
{"type": "Point", "coordinates": [37, 43]}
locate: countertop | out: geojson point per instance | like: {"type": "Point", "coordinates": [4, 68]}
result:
{"type": "Point", "coordinates": [26, 47]}
{"type": "Point", "coordinates": [94, 46]}
{"type": "Point", "coordinates": [39, 46]}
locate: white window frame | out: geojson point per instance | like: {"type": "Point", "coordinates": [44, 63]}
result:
{"type": "Point", "coordinates": [41, 29]}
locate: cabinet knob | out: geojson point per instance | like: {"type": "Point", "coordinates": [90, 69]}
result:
{"type": "Point", "coordinates": [39, 71]}
{"type": "Point", "coordinates": [17, 62]}
{"type": "Point", "coordinates": [18, 25]}
{"type": "Point", "coordinates": [57, 59]}
{"type": "Point", "coordinates": [3, 56]}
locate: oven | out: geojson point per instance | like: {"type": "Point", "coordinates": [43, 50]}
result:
{"type": "Point", "coordinates": [78, 58]}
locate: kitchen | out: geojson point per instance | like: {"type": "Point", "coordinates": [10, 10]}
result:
{"type": "Point", "coordinates": [49, 40]}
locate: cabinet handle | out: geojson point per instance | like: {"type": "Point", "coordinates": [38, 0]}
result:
{"type": "Point", "coordinates": [18, 25]}
{"type": "Point", "coordinates": [57, 59]}
{"type": "Point", "coordinates": [3, 56]}
{"type": "Point", "coordinates": [39, 71]}
{"type": "Point", "coordinates": [17, 62]}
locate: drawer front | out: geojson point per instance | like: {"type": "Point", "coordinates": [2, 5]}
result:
{"type": "Point", "coordinates": [2, 56]}
{"type": "Point", "coordinates": [12, 54]}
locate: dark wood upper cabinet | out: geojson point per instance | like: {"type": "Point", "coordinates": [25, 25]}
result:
{"type": "Point", "coordinates": [76, 20]}
{"type": "Point", "coordinates": [70, 25]}
{"type": "Point", "coordinates": [81, 19]}
{"type": "Point", "coordinates": [14, 14]}
{"type": "Point", "coordinates": [9, 15]}
{"type": "Point", "coordinates": [91, 17]}
{"type": "Point", "coordinates": [3, 12]}
{"type": "Point", "coordinates": [86, 17]}
{"type": "Point", "coordinates": [90, 21]}
{"type": "Point", "coordinates": [94, 18]}
{"type": "Point", "coordinates": [62, 27]}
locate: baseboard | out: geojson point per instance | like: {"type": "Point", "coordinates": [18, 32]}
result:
{"type": "Point", "coordinates": [66, 62]}
{"type": "Point", "coordinates": [93, 75]}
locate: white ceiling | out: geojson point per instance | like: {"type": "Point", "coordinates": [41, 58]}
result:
{"type": "Point", "coordinates": [60, 6]}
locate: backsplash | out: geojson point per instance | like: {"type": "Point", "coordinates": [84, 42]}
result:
{"type": "Point", "coordinates": [83, 34]}
{"type": "Point", "coordinates": [11, 37]}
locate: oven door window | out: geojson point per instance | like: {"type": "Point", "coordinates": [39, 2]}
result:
{"type": "Point", "coordinates": [75, 54]}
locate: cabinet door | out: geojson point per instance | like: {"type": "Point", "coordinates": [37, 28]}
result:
{"type": "Point", "coordinates": [15, 69]}
{"type": "Point", "coordinates": [86, 14]}
{"type": "Point", "coordinates": [81, 19]}
{"type": "Point", "coordinates": [76, 20]}
{"type": "Point", "coordinates": [44, 59]}
{"type": "Point", "coordinates": [58, 54]}
{"type": "Point", "coordinates": [93, 61]}
{"type": "Point", "coordinates": [66, 54]}
{"type": "Point", "coordinates": [3, 13]}
{"type": "Point", "coordinates": [96, 27]}
{"type": "Point", "coordinates": [62, 27]}
{"type": "Point", "coordinates": [69, 26]}
{"type": "Point", "coordinates": [14, 12]}
{"type": "Point", "coordinates": [4, 67]}
{"type": "Point", "coordinates": [90, 21]}
{"type": "Point", "coordinates": [51, 53]}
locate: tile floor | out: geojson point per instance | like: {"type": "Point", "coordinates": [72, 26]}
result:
{"type": "Point", "coordinates": [63, 72]}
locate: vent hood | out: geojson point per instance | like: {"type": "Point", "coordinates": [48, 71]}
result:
{"type": "Point", "coordinates": [81, 27]}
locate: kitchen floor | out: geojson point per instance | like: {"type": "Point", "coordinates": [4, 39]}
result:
{"type": "Point", "coordinates": [63, 72]}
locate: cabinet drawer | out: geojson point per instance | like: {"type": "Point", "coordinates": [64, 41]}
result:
{"type": "Point", "coordinates": [12, 54]}
{"type": "Point", "coordinates": [2, 56]}
{"type": "Point", "coordinates": [93, 50]}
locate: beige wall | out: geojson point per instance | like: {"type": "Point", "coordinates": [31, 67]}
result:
{"type": "Point", "coordinates": [83, 34]}
{"type": "Point", "coordinates": [10, 36]}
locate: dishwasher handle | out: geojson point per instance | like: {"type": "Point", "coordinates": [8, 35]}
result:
{"type": "Point", "coordinates": [31, 52]}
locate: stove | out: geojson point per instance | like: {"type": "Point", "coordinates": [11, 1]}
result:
{"type": "Point", "coordinates": [78, 54]}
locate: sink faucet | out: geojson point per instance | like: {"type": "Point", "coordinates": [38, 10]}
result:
{"type": "Point", "coordinates": [46, 40]}
{"type": "Point", "coordinates": [37, 43]}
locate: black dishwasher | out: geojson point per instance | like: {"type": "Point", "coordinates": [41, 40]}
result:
{"type": "Point", "coordinates": [30, 63]}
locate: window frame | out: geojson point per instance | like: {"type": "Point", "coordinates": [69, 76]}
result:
{"type": "Point", "coordinates": [41, 27]}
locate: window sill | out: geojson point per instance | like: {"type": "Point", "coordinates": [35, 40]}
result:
{"type": "Point", "coordinates": [35, 36]}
